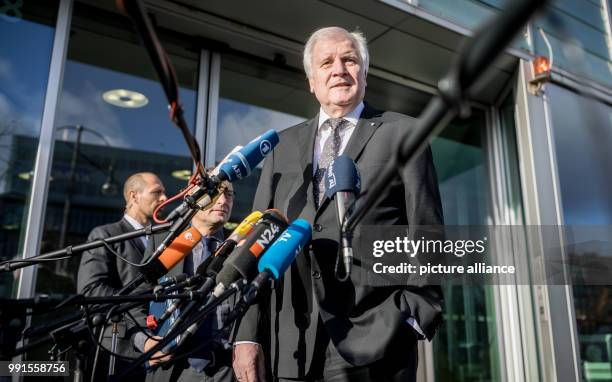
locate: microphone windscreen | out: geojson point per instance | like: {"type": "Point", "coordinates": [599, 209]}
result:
{"type": "Point", "coordinates": [180, 247]}
{"type": "Point", "coordinates": [246, 226]}
{"type": "Point", "coordinates": [342, 175]}
{"type": "Point", "coordinates": [283, 251]}
{"type": "Point", "coordinates": [243, 261]}
{"type": "Point", "coordinates": [240, 164]}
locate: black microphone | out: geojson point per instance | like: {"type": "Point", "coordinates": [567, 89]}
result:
{"type": "Point", "coordinates": [213, 264]}
{"type": "Point", "coordinates": [343, 183]}
{"type": "Point", "coordinates": [169, 281]}
{"type": "Point", "coordinates": [209, 269]}
{"type": "Point", "coordinates": [243, 261]}
{"type": "Point", "coordinates": [274, 262]}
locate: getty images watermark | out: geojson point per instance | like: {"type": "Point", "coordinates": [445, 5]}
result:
{"type": "Point", "coordinates": [424, 255]}
{"type": "Point", "coordinates": [422, 246]}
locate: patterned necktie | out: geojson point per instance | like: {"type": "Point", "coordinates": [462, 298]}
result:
{"type": "Point", "coordinates": [330, 151]}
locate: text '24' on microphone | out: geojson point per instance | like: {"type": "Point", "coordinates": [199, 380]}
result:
{"type": "Point", "coordinates": [242, 263]}
{"type": "Point", "coordinates": [343, 184]}
{"type": "Point", "coordinates": [206, 271]}
{"type": "Point", "coordinates": [213, 264]}
{"type": "Point", "coordinates": [277, 259]}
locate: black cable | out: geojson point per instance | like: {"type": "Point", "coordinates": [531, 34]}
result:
{"type": "Point", "coordinates": [98, 342]}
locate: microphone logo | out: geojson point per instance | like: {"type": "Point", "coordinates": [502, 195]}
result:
{"type": "Point", "coordinates": [285, 236]}
{"type": "Point", "coordinates": [265, 147]}
{"type": "Point", "coordinates": [266, 238]}
{"type": "Point", "coordinates": [189, 236]}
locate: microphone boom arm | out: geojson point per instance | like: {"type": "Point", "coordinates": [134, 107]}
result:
{"type": "Point", "coordinates": [487, 44]}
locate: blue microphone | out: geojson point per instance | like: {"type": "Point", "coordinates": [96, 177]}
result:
{"type": "Point", "coordinates": [343, 183]}
{"type": "Point", "coordinates": [342, 176]}
{"type": "Point", "coordinates": [284, 250]}
{"type": "Point", "coordinates": [277, 259]}
{"type": "Point", "coordinates": [240, 164]}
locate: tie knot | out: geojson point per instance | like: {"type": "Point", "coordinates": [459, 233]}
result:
{"type": "Point", "coordinates": [335, 123]}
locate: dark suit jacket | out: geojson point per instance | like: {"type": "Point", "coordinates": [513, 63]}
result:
{"type": "Point", "coordinates": [365, 323]}
{"type": "Point", "coordinates": [102, 274]}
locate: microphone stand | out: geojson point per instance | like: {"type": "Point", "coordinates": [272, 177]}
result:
{"type": "Point", "coordinates": [77, 249]}
{"type": "Point", "coordinates": [74, 324]}
{"type": "Point", "coordinates": [179, 329]}
{"type": "Point", "coordinates": [175, 229]}
{"type": "Point", "coordinates": [478, 54]}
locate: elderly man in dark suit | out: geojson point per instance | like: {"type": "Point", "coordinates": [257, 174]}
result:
{"type": "Point", "coordinates": [101, 273]}
{"type": "Point", "coordinates": [315, 327]}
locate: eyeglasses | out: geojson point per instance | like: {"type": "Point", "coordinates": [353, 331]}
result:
{"type": "Point", "coordinates": [229, 194]}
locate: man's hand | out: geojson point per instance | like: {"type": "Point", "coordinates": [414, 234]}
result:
{"type": "Point", "coordinates": [159, 356]}
{"type": "Point", "coordinates": [249, 365]}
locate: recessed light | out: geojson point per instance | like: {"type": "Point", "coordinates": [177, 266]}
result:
{"type": "Point", "coordinates": [181, 174]}
{"type": "Point", "coordinates": [125, 98]}
{"type": "Point", "coordinates": [26, 175]}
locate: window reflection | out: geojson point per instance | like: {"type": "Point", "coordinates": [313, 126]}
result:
{"type": "Point", "coordinates": [104, 133]}
{"type": "Point", "coordinates": [27, 30]}
{"type": "Point", "coordinates": [583, 137]}
{"type": "Point", "coordinates": [256, 97]}
{"type": "Point", "coordinates": [465, 349]}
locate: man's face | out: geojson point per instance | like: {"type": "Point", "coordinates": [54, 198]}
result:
{"type": "Point", "coordinates": [219, 213]}
{"type": "Point", "coordinates": [336, 77]}
{"type": "Point", "coordinates": [151, 196]}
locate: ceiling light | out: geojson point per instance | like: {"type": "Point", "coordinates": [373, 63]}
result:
{"type": "Point", "coordinates": [125, 98]}
{"type": "Point", "coordinates": [181, 174]}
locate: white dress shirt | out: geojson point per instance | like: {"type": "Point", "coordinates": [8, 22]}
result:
{"type": "Point", "coordinates": [134, 223]}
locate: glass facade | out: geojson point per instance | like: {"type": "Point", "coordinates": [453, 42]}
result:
{"type": "Point", "coordinates": [98, 143]}
{"type": "Point", "coordinates": [27, 30]}
{"type": "Point", "coordinates": [466, 348]}
{"type": "Point", "coordinates": [583, 137]}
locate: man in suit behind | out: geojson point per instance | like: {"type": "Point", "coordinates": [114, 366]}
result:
{"type": "Point", "coordinates": [310, 326]}
{"type": "Point", "coordinates": [101, 273]}
{"type": "Point", "coordinates": [213, 362]}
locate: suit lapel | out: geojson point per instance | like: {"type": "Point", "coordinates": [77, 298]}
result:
{"type": "Point", "coordinates": [306, 143]}
{"type": "Point", "coordinates": [136, 242]}
{"type": "Point", "coordinates": [369, 121]}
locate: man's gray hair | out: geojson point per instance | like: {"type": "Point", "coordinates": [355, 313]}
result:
{"type": "Point", "coordinates": [331, 33]}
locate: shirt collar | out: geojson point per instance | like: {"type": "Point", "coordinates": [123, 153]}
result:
{"type": "Point", "coordinates": [352, 117]}
{"type": "Point", "coordinates": [133, 222]}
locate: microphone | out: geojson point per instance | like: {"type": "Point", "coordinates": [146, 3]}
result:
{"type": "Point", "coordinates": [242, 262]}
{"type": "Point", "coordinates": [213, 264]}
{"type": "Point", "coordinates": [178, 249]}
{"type": "Point", "coordinates": [343, 183]}
{"type": "Point", "coordinates": [211, 268]}
{"type": "Point", "coordinates": [278, 253]}
{"type": "Point", "coordinates": [276, 260]}
{"type": "Point", "coordinates": [169, 281]}
{"type": "Point", "coordinates": [237, 165]}
{"type": "Point", "coordinates": [240, 164]}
